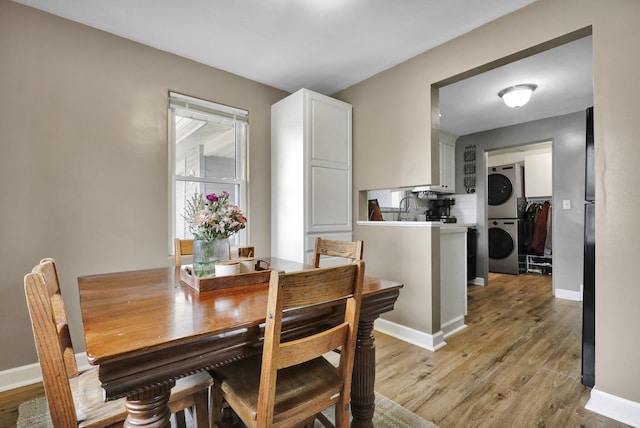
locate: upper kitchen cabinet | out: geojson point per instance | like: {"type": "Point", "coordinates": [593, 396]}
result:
{"type": "Point", "coordinates": [447, 166]}
{"type": "Point", "coordinates": [310, 173]}
{"type": "Point", "coordinates": [538, 182]}
{"type": "Point", "coordinates": [447, 163]}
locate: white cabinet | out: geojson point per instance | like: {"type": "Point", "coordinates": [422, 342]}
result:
{"type": "Point", "coordinates": [447, 167]}
{"type": "Point", "coordinates": [447, 161]}
{"type": "Point", "coordinates": [538, 182]}
{"type": "Point", "coordinates": [310, 173]}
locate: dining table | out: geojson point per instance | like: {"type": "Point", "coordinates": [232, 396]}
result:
{"type": "Point", "coordinates": [145, 329]}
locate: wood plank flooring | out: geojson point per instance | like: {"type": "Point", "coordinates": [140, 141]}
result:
{"type": "Point", "coordinates": [517, 364]}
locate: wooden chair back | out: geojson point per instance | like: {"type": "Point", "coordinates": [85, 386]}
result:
{"type": "Point", "coordinates": [53, 341]}
{"type": "Point", "coordinates": [183, 247]}
{"type": "Point", "coordinates": [335, 248]}
{"type": "Point", "coordinates": [56, 356]}
{"type": "Point", "coordinates": [314, 287]}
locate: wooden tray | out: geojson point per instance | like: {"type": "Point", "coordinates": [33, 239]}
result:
{"type": "Point", "coordinates": [258, 277]}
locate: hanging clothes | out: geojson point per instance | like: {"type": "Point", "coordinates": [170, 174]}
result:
{"type": "Point", "coordinates": [540, 232]}
{"type": "Point", "coordinates": [548, 248]}
{"type": "Point", "coordinates": [529, 221]}
{"type": "Point", "coordinates": [529, 225]}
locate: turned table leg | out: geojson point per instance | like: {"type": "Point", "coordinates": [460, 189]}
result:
{"type": "Point", "coordinates": [149, 408]}
{"type": "Point", "coordinates": [364, 376]}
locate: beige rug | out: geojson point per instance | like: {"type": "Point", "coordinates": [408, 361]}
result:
{"type": "Point", "coordinates": [35, 414]}
{"type": "Point", "coordinates": [389, 414]}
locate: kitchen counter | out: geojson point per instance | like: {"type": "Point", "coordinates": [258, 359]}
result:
{"type": "Point", "coordinates": [467, 225]}
{"type": "Point", "coordinates": [416, 224]}
{"type": "Point", "coordinates": [429, 257]}
{"type": "Point", "coordinates": [401, 223]}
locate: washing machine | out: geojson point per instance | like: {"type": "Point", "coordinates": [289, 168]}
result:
{"type": "Point", "coordinates": [505, 246]}
{"type": "Point", "coordinates": [505, 191]}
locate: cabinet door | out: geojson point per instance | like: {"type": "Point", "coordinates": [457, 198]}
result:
{"type": "Point", "coordinates": [329, 164]}
{"type": "Point", "coordinates": [447, 168]}
{"type": "Point", "coordinates": [329, 199]}
{"type": "Point", "coordinates": [538, 181]}
{"type": "Point", "coordinates": [329, 131]}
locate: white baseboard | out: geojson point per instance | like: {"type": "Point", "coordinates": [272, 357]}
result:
{"type": "Point", "coordinates": [476, 281]}
{"type": "Point", "coordinates": [614, 407]}
{"type": "Point", "coordinates": [18, 377]}
{"type": "Point", "coordinates": [424, 340]}
{"type": "Point", "coordinates": [576, 296]}
{"type": "Point", "coordinates": [453, 326]}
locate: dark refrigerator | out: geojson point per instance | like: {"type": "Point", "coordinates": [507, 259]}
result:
{"type": "Point", "coordinates": [589, 273]}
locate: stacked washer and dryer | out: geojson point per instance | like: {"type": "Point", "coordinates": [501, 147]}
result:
{"type": "Point", "coordinates": [506, 203]}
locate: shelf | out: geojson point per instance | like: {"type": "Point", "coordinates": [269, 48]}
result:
{"type": "Point", "coordinates": [542, 264]}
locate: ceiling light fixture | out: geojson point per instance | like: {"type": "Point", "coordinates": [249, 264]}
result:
{"type": "Point", "coordinates": [518, 95]}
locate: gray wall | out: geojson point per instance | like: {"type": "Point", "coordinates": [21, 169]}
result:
{"type": "Point", "coordinates": [568, 135]}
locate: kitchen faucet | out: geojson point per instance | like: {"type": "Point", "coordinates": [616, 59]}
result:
{"type": "Point", "coordinates": [406, 208]}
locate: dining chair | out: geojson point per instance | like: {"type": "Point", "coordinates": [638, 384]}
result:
{"type": "Point", "coordinates": [291, 382]}
{"type": "Point", "coordinates": [184, 247]}
{"type": "Point", "coordinates": [334, 248]}
{"type": "Point", "coordinates": [74, 398]}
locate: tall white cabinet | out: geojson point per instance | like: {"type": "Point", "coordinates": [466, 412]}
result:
{"type": "Point", "coordinates": [310, 173]}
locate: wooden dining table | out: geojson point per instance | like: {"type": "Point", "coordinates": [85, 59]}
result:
{"type": "Point", "coordinates": [145, 329]}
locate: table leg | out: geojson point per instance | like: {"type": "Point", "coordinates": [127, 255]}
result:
{"type": "Point", "coordinates": [149, 408]}
{"type": "Point", "coordinates": [364, 376]}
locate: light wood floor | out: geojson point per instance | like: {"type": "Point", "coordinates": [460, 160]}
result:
{"type": "Point", "coordinates": [517, 364]}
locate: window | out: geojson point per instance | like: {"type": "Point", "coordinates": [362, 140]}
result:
{"type": "Point", "coordinates": [387, 198]}
{"type": "Point", "coordinates": [207, 144]}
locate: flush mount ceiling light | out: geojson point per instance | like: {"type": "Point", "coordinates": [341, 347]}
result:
{"type": "Point", "coordinates": [518, 95]}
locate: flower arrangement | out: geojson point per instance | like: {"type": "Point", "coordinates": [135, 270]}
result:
{"type": "Point", "coordinates": [213, 217]}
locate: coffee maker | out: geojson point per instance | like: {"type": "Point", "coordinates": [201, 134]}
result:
{"type": "Point", "coordinates": [440, 210]}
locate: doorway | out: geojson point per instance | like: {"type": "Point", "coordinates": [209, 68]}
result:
{"type": "Point", "coordinates": [519, 212]}
{"type": "Point", "coordinates": [507, 129]}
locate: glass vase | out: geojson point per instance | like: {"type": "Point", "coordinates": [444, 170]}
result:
{"type": "Point", "coordinates": [207, 253]}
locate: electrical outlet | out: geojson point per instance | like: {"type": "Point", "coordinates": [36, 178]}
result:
{"type": "Point", "coordinates": [566, 204]}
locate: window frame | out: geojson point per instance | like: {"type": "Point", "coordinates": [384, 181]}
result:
{"type": "Point", "coordinates": [205, 107]}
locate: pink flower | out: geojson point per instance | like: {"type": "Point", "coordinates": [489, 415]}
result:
{"type": "Point", "coordinates": [214, 217]}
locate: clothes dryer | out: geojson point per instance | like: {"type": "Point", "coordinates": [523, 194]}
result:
{"type": "Point", "coordinates": [505, 191]}
{"type": "Point", "coordinates": [504, 246]}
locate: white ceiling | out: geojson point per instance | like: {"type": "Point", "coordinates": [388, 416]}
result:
{"type": "Point", "coordinates": [326, 45]}
{"type": "Point", "coordinates": [564, 76]}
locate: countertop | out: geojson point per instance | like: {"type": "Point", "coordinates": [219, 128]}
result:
{"type": "Point", "coordinates": [416, 224]}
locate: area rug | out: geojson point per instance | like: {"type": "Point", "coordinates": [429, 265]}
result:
{"type": "Point", "coordinates": [388, 414]}
{"type": "Point", "coordinates": [34, 413]}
